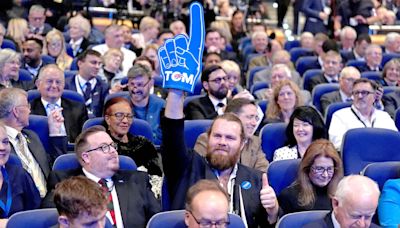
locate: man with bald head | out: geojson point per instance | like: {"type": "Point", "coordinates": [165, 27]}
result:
{"type": "Point", "coordinates": [207, 203]}
{"type": "Point", "coordinates": [354, 204]}
{"type": "Point", "coordinates": [346, 80]}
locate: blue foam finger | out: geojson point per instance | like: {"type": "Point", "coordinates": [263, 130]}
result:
{"type": "Point", "coordinates": [171, 51]}
{"type": "Point", "coordinates": [188, 51]}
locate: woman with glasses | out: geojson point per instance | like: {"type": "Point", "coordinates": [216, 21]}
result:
{"type": "Point", "coordinates": [55, 47]}
{"type": "Point", "coordinates": [319, 173]}
{"type": "Point", "coordinates": [17, 189]}
{"type": "Point", "coordinates": [10, 62]}
{"type": "Point", "coordinates": [118, 118]}
{"type": "Point", "coordinates": [305, 126]}
{"type": "Point", "coordinates": [232, 70]}
{"type": "Point", "coordinates": [285, 98]}
{"type": "Point", "coordinates": [111, 72]}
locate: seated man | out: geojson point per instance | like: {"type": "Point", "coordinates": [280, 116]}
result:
{"type": "Point", "coordinates": [32, 56]}
{"type": "Point", "coordinates": [251, 154]}
{"type": "Point", "coordinates": [87, 82]}
{"type": "Point", "coordinates": [332, 65]}
{"type": "Point", "coordinates": [114, 38]}
{"type": "Point", "coordinates": [14, 115]}
{"type": "Point", "coordinates": [361, 114]}
{"type": "Point", "coordinates": [354, 204]}
{"type": "Point", "coordinates": [207, 203]}
{"type": "Point", "coordinates": [132, 201]}
{"type": "Point", "coordinates": [146, 106]}
{"type": "Point", "coordinates": [392, 102]}
{"type": "Point", "coordinates": [215, 83]}
{"type": "Point", "coordinates": [373, 59]}
{"type": "Point", "coordinates": [279, 57]}
{"type": "Point", "coordinates": [347, 38]}
{"type": "Point", "coordinates": [80, 202]}
{"type": "Point", "coordinates": [257, 205]}
{"type": "Point", "coordinates": [346, 80]}
{"type": "Point", "coordinates": [51, 86]}
{"type": "Point", "coordinates": [360, 44]}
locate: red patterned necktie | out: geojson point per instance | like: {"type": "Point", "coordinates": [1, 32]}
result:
{"type": "Point", "coordinates": [110, 205]}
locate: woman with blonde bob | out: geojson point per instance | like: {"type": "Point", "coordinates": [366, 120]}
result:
{"type": "Point", "coordinates": [319, 174]}
{"type": "Point", "coordinates": [286, 97]}
{"type": "Point", "coordinates": [55, 47]}
{"type": "Point", "coordinates": [17, 29]}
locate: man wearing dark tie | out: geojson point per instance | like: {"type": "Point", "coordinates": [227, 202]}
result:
{"type": "Point", "coordinates": [131, 202]}
{"type": "Point", "coordinates": [215, 82]}
{"type": "Point", "coordinates": [88, 83]}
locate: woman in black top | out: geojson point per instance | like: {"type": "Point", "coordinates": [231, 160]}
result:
{"type": "Point", "coordinates": [118, 118]}
{"type": "Point", "coordinates": [319, 173]}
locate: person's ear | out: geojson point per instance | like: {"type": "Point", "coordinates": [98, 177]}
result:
{"type": "Point", "coordinates": [63, 221]}
{"type": "Point", "coordinates": [187, 216]}
{"type": "Point", "coordinates": [205, 85]}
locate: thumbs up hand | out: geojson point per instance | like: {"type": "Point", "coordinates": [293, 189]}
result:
{"type": "Point", "coordinates": [268, 200]}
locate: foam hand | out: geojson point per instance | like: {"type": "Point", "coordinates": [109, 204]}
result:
{"type": "Point", "coordinates": [180, 57]}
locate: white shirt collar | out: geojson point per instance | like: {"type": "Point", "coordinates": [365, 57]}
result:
{"type": "Point", "coordinates": [334, 221]}
{"type": "Point", "coordinates": [216, 101]}
{"type": "Point", "coordinates": [78, 42]}
{"type": "Point", "coordinates": [343, 96]}
{"type": "Point", "coordinates": [45, 103]}
{"type": "Point", "coordinates": [93, 177]}
{"type": "Point", "coordinates": [12, 132]}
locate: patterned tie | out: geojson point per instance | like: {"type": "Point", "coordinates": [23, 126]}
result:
{"type": "Point", "coordinates": [110, 205]}
{"type": "Point", "coordinates": [88, 91]}
{"type": "Point", "coordinates": [30, 165]}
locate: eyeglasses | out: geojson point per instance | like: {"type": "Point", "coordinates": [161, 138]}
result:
{"type": "Point", "coordinates": [139, 84]}
{"type": "Point", "coordinates": [120, 115]}
{"type": "Point", "coordinates": [218, 80]}
{"type": "Point", "coordinates": [349, 79]}
{"type": "Point", "coordinates": [320, 170]}
{"type": "Point", "coordinates": [209, 224]}
{"type": "Point", "coordinates": [105, 148]}
{"type": "Point", "coordinates": [362, 92]}
{"type": "Point", "coordinates": [24, 105]}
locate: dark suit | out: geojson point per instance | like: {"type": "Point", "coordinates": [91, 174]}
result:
{"type": "Point", "coordinates": [314, 81]}
{"type": "Point", "coordinates": [346, 56]}
{"type": "Point", "coordinates": [24, 85]}
{"type": "Point", "coordinates": [327, 223]}
{"type": "Point", "coordinates": [364, 67]}
{"type": "Point", "coordinates": [201, 108]}
{"type": "Point", "coordinates": [44, 62]}
{"type": "Point", "coordinates": [36, 148]}
{"type": "Point", "coordinates": [330, 98]}
{"type": "Point", "coordinates": [136, 200]}
{"type": "Point", "coordinates": [391, 102]}
{"type": "Point", "coordinates": [184, 168]}
{"type": "Point", "coordinates": [99, 93]}
{"type": "Point", "coordinates": [84, 45]}
{"type": "Point", "coordinates": [74, 113]}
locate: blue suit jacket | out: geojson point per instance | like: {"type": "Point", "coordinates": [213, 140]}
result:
{"type": "Point", "coordinates": [311, 9]}
{"type": "Point", "coordinates": [184, 168]}
{"type": "Point", "coordinates": [99, 94]}
{"type": "Point", "coordinates": [327, 223]}
{"type": "Point", "coordinates": [25, 195]}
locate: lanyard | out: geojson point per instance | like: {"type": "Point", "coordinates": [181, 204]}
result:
{"type": "Point", "coordinates": [372, 125]}
{"type": "Point", "coordinates": [6, 208]}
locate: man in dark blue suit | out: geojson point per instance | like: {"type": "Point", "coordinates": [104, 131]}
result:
{"type": "Point", "coordinates": [358, 53]}
{"type": "Point", "coordinates": [131, 201]}
{"type": "Point", "coordinates": [373, 59]}
{"type": "Point", "coordinates": [88, 84]}
{"type": "Point", "coordinates": [215, 82]}
{"type": "Point", "coordinates": [354, 204]}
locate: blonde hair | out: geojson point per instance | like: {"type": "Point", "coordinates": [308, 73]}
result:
{"type": "Point", "coordinates": [223, 28]}
{"type": "Point", "coordinates": [148, 22]}
{"type": "Point", "coordinates": [273, 110]}
{"type": "Point", "coordinates": [83, 24]}
{"type": "Point", "coordinates": [63, 60]}
{"type": "Point", "coordinates": [109, 54]}
{"type": "Point", "coordinates": [16, 29]}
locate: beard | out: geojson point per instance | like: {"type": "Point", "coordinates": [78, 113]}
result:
{"type": "Point", "coordinates": [220, 93]}
{"type": "Point", "coordinates": [222, 161]}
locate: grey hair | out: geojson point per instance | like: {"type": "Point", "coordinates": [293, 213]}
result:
{"type": "Point", "coordinates": [8, 99]}
{"type": "Point", "coordinates": [346, 187]}
{"type": "Point", "coordinates": [280, 66]}
{"type": "Point", "coordinates": [7, 55]}
{"type": "Point", "coordinates": [138, 70]}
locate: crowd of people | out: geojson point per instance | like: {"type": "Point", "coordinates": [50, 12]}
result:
{"type": "Point", "coordinates": [116, 75]}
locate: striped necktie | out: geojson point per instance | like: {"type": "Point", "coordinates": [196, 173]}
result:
{"type": "Point", "coordinates": [110, 205]}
